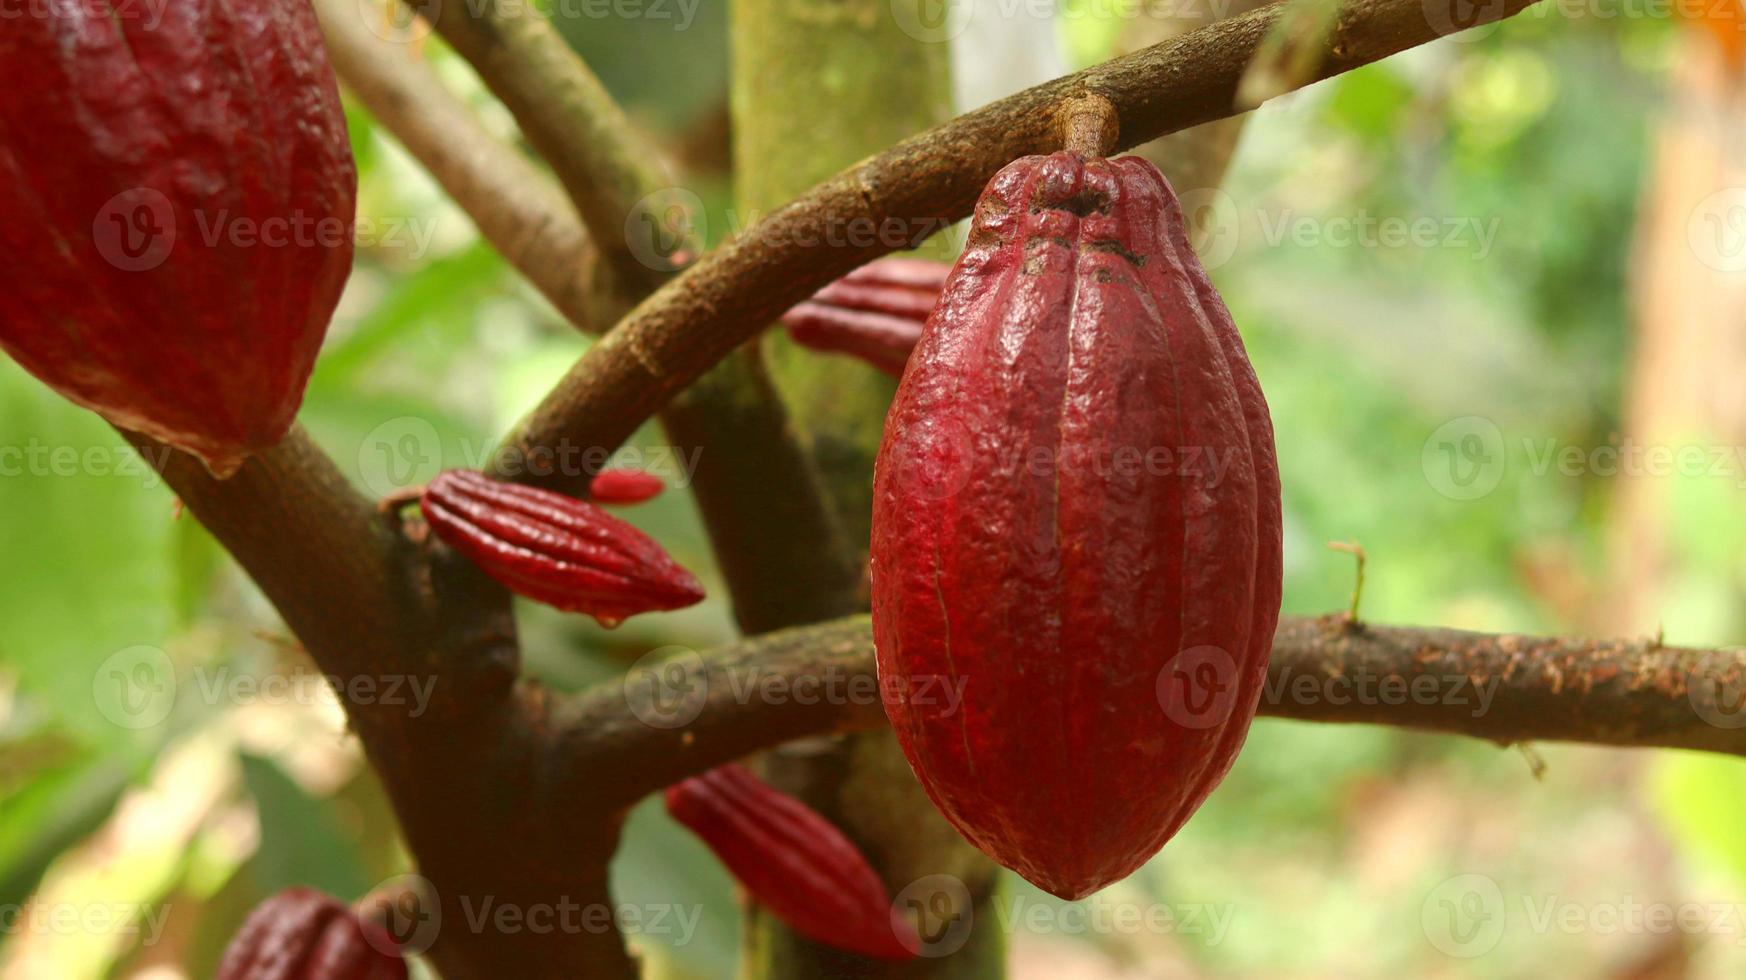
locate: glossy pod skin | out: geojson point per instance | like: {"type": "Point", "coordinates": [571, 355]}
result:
{"type": "Point", "coordinates": [301, 934]}
{"type": "Point", "coordinates": [1077, 517]}
{"type": "Point", "coordinates": [554, 549]}
{"type": "Point", "coordinates": [622, 487]}
{"type": "Point", "coordinates": [177, 195]}
{"type": "Point", "coordinates": [793, 862]}
{"type": "Point", "coordinates": [874, 313]}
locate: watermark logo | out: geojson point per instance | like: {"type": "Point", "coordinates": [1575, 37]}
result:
{"type": "Point", "coordinates": [135, 230]}
{"type": "Point", "coordinates": [1716, 230]}
{"type": "Point", "coordinates": [667, 687]}
{"type": "Point", "coordinates": [939, 907]}
{"type": "Point", "coordinates": [397, 22]}
{"type": "Point", "coordinates": [406, 908]}
{"type": "Point", "coordinates": [1716, 688]}
{"type": "Point", "coordinates": [1198, 687]}
{"type": "Point", "coordinates": [1464, 458]}
{"type": "Point", "coordinates": [1466, 21]}
{"type": "Point", "coordinates": [400, 453]}
{"type": "Point", "coordinates": [135, 687]}
{"type": "Point", "coordinates": [663, 229]}
{"type": "Point", "coordinates": [933, 21]}
{"type": "Point", "coordinates": [1464, 916]}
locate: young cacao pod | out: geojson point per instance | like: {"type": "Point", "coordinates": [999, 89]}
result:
{"type": "Point", "coordinates": [874, 313]}
{"type": "Point", "coordinates": [177, 196]}
{"type": "Point", "coordinates": [301, 934]}
{"type": "Point", "coordinates": [625, 486]}
{"type": "Point", "coordinates": [1076, 517]}
{"type": "Point", "coordinates": [554, 549]}
{"type": "Point", "coordinates": [793, 862]}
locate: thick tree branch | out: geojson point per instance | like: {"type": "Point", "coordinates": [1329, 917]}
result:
{"type": "Point", "coordinates": [517, 208]}
{"type": "Point", "coordinates": [568, 117]}
{"type": "Point", "coordinates": [699, 711]}
{"type": "Point", "coordinates": [918, 186]}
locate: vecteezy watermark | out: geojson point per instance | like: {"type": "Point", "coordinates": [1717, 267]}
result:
{"type": "Point", "coordinates": [146, 13]}
{"type": "Point", "coordinates": [36, 458]}
{"type": "Point", "coordinates": [943, 916]}
{"type": "Point", "coordinates": [85, 919]}
{"type": "Point", "coordinates": [139, 229]}
{"type": "Point", "coordinates": [669, 687]}
{"type": "Point", "coordinates": [1100, 916]}
{"type": "Point", "coordinates": [137, 688]}
{"type": "Point", "coordinates": [1366, 689]}
{"type": "Point", "coordinates": [1716, 688]}
{"type": "Point", "coordinates": [407, 451]}
{"type": "Point", "coordinates": [939, 21]}
{"type": "Point", "coordinates": [1466, 458]}
{"type": "Point", "coordinates": [663, 228]}
{"type": "Point", "coordinates": [409, 910]}
{"type": "Point", "coordinates": [1219, 226]}
{"type": "Point", "coordinates": [1468, 915]}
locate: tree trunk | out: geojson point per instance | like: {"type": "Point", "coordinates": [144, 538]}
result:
{"type": "Point", "coordinates": [818, 84]}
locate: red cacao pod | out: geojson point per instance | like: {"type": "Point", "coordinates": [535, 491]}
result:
{"type": "Point", "coordinates": [555, 549]}
{"type": "Point", "coordinates": [874, 313]}
{"type": "Point", "coordinates": [301, 934]}
{"type": "Point", "coordinates": [176, 203]}
{"type": "Point", "coordinates": [1014, 553]}
{"type": "Point", "coordinates": [625, 486]}
{"type": "Point", "coordinates": [793, 862]}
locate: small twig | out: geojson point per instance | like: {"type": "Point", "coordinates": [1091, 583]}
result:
{"type": "Point", "coordinates": [1356, 550]}
{"type": "Point", "coordinates": [924, 184]}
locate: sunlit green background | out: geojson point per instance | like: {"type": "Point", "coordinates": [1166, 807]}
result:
{"type": "Point", "coordinates": [1327, 852]}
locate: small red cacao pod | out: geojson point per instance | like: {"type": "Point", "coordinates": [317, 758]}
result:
{"type": "Point", "coordinates": [301, 934]}
{"type": "Point", "coordinates": [793, 862]}
{"type": "Point", "coordinates": [177, 195]}
{"type": "Point", "coordinates": [555, 549]}
{"type": "Point", "coordinates": [625, 486]}
{"type": "Point", "coordinates": [874, 313]}
{"type": "Point", "coordinates": [1076, 517]}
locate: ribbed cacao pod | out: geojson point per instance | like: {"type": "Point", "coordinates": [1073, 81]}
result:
{"type": "Point", "coordinates": [793, 862]}
{"type": "Point", "coordinates": [874, 313]}
{"type": "Point", "coordinates": [301, 934]}
{"type": "Point", "coordinates": [625, 486]}
{"type": "Point", "coordinates": [177, 196]}
{"type": "Point", "coordinates": [555, 549]}
{"type": "Point", "coordinates": [1076, 517]}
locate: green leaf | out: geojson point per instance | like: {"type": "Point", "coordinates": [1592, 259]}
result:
{"type": "Point", "coordinates": [87, 534]}
{"type": "Point", "coordinates": [301, 842]}
{"type": "Point", "coordinates": [55, 810]}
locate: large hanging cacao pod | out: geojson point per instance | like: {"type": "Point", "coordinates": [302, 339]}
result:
{"type": "Point", "coordinates": [177, 196]}
{"type": "Point", "coordinates": [1076, 517]}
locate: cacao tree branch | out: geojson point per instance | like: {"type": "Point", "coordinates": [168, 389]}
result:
{"type": "Point", "coordinates": [924, 182]}
{"type": "Point", "coordinates": [383, 613]}
{"type": "Point", "coordinates": [516, 207]}
{"type": "Point", "coordinates": [779, 546]}
{"type": "Point", "coordinates": [566, 114]}
{"type": "Point", "coordinates": [1504, 688]}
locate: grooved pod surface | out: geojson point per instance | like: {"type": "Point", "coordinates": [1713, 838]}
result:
{"type": "Point", "coordinates": [1076, 518]}
{"type": "Point", "coordinates": [301, 934]}
{"type": "Point", "coordinates": [176, 204]}
{"type": "Point", "coordinates": [551, 548]}
{"type": "Point", "coordinates": [793, 861]}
